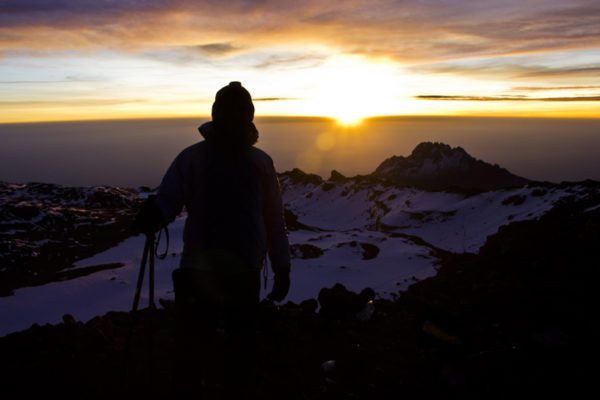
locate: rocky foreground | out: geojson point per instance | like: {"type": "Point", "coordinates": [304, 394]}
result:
{"type": "Point", "coordinates": [518, 318]}
{"type": "Point", "coordinates": [510, 309]}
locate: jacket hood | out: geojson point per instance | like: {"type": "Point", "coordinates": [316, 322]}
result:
{"type": "Point", "coordinates": [207, 130]}
{"type": "Point", "coordinates": [240, 139]}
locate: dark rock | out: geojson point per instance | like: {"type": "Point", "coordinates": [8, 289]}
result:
{"type": "Point", "coordinates": [53, 226]}
{"type": "Point", "coordinates": [327, 186]}
{"type": "Point", "coordinates": [292, 223]}
{"type": "Point", "coordinates": [367, 294]}
{"type": "Point", "coordinates": [309, 306]}
{"type": "Point", "coordinates": [369, 251]}
{"type": "Point", "coordinates": [24, 211]}
{"type": "Point", "coordinates": [436, 331]}
{"type": "Point", "coordinates": [337, 177]}
{"type": "Point", "coordinates": [298, 176]}
{"type": "Point", "coordinates": [305, 251]}
{"type": "Point", "coordinates": [340, 303]}
{"type": "Point", "coordinates": [437, 166]}
{"type": "Point", "coordinates": [68, 319]}
{"type": "Point", "coordinates": [165, 303]}
{"type": "Point", "coordinates": [514, 200]}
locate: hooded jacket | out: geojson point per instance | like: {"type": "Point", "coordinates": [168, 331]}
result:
{"type": "Point", "coordinates": [233, 201]}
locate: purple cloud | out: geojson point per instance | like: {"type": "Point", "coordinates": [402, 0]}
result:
{"type": "Point", "coordinates": [403, 29]}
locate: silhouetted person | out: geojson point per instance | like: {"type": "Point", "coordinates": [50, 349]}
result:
{"type": "Point", "coordinates": [235, 217]}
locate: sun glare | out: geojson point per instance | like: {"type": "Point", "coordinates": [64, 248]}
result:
{"type": "Point", "coordinates": [348, 119]}
{"type": "Point", "coordinates": [350, 89]}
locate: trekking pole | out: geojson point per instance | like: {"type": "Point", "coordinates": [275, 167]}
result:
{"type": "Point", "coordinates": [148, 252]}
{"type": "Point", "coordinates": [152, 250]}
{"type": "Point", "coordinates": [128, 365]}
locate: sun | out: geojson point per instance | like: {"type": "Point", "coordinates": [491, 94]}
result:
{"type": "Point", "coordinates": [350, 89]}
{"type": "Point", "coordinates": [348, 119]}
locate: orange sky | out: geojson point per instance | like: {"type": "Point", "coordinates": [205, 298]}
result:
{"type": "Point", "coordinates": [69, 60]}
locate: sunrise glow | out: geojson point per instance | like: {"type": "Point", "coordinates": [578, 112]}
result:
{"type": "Point", "coordinates": [78, 61]}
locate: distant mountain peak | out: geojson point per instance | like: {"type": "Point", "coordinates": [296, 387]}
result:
{"type": "Point", "coordinates": [336, 176]}
{"type": "Point", "coordinates": [435, 150]}
{"type": "Point", "coordinates": [296, 175]}
{"type": "Point", "coordinates": [438, 166]}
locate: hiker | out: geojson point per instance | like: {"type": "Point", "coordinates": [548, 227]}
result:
{"type": "Point", "coordinates": [235, 217]}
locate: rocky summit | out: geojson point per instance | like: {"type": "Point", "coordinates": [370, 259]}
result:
{"type": "Point", "coordinates": [437, 166]}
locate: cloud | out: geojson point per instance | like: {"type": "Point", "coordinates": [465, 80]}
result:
{"type": "Point", "coordinates": [69, 103]}
{"type": "Point", "coordinates": [591, 71]}
{"type": "Point", "coordinates": [553, 27]}
{"type": "Point", "coordinates": [30, 82]}
{"type": "Point", "coordinates": [275, 99]}
{"type": "Point", "coordinates": [411, 31]}
{"type": "Point", "coordinates": [299, 60]}
{"type": "Point", "coordinates": [551, 88]}
{"type": "Point", "coordinates": [67, 79]}
{"type": "Point", "coordinates": [85, 78]}
{"type": "Point", "coordinates": [507, 98]}
{"type": "Point", "coordinates": [497, 69]}
{"type": "Point", "coordinates": [208, 53]}
{"type": "Point", "coordinates": [216, 49]}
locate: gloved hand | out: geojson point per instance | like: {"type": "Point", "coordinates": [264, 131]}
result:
{"type": "Point", "coordinates": [281, 286]}
{"type": "Point", "coordinates": [149, 219]}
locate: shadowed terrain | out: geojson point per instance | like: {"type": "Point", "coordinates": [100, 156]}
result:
{"type": "Point", "coordinates": [519, 316]}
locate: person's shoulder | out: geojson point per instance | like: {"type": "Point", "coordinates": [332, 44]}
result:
{"type": "Point", "coordinates": [193, 150]}
{"type": "Point", "coordinates": [260, 155]}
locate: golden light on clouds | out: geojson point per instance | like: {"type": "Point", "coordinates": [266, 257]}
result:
{"type": "Point", "coordinates": [122, 59]}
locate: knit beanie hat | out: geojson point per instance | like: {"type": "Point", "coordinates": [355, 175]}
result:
{"type": "Point", "coordinates": [233, 102]}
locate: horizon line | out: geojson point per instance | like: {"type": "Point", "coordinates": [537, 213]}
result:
{"type": "Point", "coordinates": [308, 118]}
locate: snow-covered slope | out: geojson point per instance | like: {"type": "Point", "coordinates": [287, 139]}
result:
{"type": "Point", "coordinates": [447, 220]}
{"type": "Point", "coordinates": [354, 232]}
{"type": "Point", "coordinates": [398, 263]}
{"type": "Point", "coordinates": [361, 232]}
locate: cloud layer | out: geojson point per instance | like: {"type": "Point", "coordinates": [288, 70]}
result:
{"type": "Point", "coordinates": [410, 31]}
{"type": "Point", "coordinates": [84, 58]}
{"type": "Point", "coordinates": [506, 98]}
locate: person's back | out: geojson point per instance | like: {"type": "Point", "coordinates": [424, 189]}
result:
{"type": "Point", "coordinates": [232, 200]}
{"type": "Point", "coordinates": [235, 217]}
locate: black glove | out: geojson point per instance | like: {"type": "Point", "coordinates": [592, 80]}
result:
{"type": "Point", "coordinates": [149, 219]}
{"type": "Point", "coordinates": [281, 286]}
